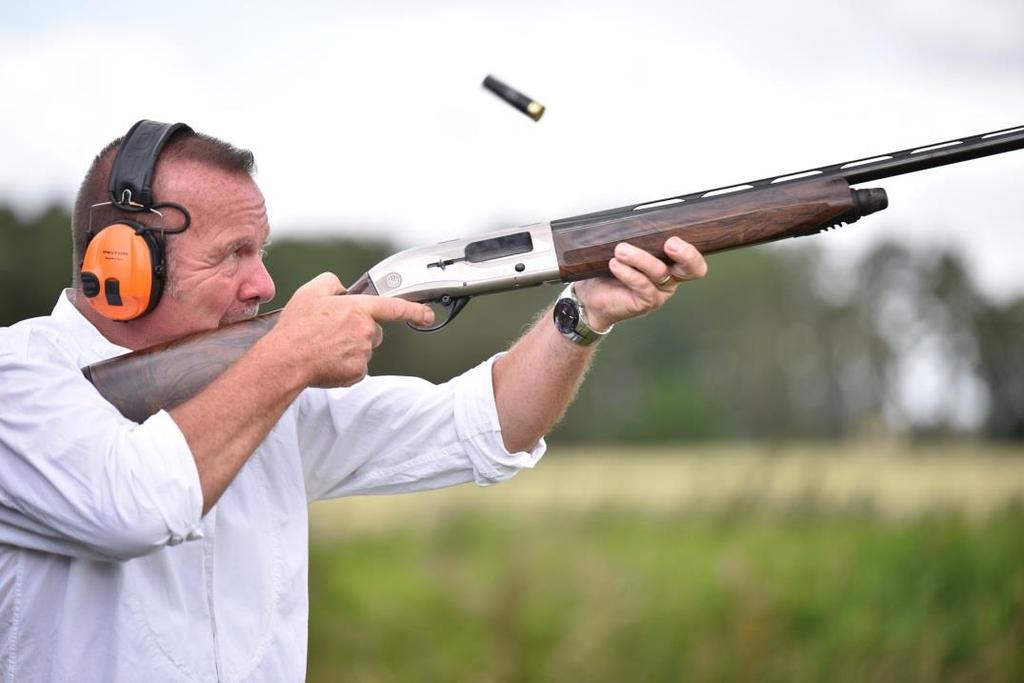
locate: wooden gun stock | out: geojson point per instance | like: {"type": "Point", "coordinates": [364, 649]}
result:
{"type": "Point", "coordinates": [160, 377]}
{"type": "Point", "coordinates": [585, 244]}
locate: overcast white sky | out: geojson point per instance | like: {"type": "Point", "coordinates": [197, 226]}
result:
{"type": "Point", "coordinates": [371, 120]}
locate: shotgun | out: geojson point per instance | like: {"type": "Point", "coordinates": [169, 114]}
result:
{"type": "Point", "coordinates": [450, 273]}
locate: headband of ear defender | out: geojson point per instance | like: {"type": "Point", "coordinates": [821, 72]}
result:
{"type": "Point", "coordinates": [131, 178]}
{"type": "Point", "coordinates": [123, 269]}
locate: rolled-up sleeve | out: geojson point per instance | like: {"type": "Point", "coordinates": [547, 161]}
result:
{"type": "Point", "coordinates": [403, 434]}
{"type": "Point", "coordinates": [77, 478]}
{"type": "Point", "coordinates": [476, 422]}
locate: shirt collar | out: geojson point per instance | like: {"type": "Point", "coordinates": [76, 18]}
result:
{"type": "Point", "coordinates": [83, 332]}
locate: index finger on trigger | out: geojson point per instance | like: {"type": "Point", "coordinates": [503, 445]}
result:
{"type": "Point", "coordinates": [387, 309]}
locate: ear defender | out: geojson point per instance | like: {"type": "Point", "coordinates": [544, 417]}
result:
{"type": "Point", "coordinates": [123, 271]}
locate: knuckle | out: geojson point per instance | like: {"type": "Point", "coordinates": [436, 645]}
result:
{"type": "Point", "coordinates": [396, 308]}
{"type": "Point", "coordinates": [409, 310]}
{"type": "Point", "coordinates": [382, 308]}
{"type": "Point", "coordinates": [353, 375]}
{"type": "Point", "coordinates": [356, 366]}
{"type": "Point", "coordinates": [365, 327]}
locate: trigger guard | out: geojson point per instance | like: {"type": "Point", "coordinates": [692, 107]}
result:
{"type": "Point", "coordinates": [452, 304]}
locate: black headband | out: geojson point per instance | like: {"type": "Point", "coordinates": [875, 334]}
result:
{"type": "Point", "coordinates": [132, 175]}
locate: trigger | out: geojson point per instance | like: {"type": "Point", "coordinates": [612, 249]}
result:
{"type": "Point", "coordinates": [452, 304]}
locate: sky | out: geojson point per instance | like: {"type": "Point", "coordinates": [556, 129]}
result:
{"type": "Point", "coordinates": [369, 120]}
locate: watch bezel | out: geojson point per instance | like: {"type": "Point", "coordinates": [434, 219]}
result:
{"type": "Point", "coordinates": [569, 308]}
{"type": "Point", "coordinates": [567, 316]}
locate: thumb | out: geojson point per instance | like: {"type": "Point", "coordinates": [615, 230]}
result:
{"type": "Point", "coordinates": [324, 284]}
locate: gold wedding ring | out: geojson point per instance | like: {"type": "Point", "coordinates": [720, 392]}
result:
{"type": "Point", "coordinates": [665, 280]}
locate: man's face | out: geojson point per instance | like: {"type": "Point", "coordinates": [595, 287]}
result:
{"type": "Point", "coordinates": [216, 273]}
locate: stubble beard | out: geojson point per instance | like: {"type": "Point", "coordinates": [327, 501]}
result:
{"type": "Point", "coordinates": [234, 315]}
{"type": "Point", "coordinates": [246, 313]}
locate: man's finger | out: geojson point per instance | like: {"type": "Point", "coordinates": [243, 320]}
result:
{"type": "Point", "coordinates": [638, 259]}
{"type": "Point", "coordinates": [324, 284]}
{"type": "Point", "coordinates": [630, 276]}
{"type": "Point", "coordinates": [689, 263]}
{"type": "Point", "coordinates": [387, 309]}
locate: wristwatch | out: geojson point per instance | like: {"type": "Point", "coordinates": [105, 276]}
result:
{"type": "Point", "coordinates": [571, 319]}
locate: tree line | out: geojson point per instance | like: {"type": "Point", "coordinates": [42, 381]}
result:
{"type": "Point", "coordinates": [772, 345]}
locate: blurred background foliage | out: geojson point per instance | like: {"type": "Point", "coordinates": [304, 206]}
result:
{"type": "Point", "coordinates": [774, 344]}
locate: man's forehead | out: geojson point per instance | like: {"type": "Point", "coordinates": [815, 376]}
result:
{"type": "Point", "coordinates": [201, 183]}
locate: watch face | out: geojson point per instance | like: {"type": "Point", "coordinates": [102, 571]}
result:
{"type": "Point", "coordinates": [567, 316]}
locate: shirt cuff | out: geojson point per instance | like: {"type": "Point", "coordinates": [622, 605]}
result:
{"type": "Point", "coordinates": [169, 452]}
{"type": "Point", "coordinates": [476, 421]}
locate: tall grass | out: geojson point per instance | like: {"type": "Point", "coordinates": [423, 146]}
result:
{"type": "Point", "coordinates": [626, 597]}
{"type": "Point", "coordinates": [484, 588]}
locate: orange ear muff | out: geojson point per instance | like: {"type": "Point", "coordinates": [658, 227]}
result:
{"type": "Point", "coordinates": [122, 272]}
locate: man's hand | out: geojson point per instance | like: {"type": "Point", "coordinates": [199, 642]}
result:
{"type": "Point", "coordinates": [535, 381]}
{"type": "Point", "coordinates": [642, 283]}
{"type": "Point", "coordinates": [329, 338]}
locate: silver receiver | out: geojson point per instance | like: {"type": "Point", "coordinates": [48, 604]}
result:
{"type": "Point", "coordinates": [450, 273]}
{"type": "Point", "coordinates": [493, 262]}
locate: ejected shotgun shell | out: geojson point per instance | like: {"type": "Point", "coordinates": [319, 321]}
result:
{"type": "Point", "coordinates": [531, 108]}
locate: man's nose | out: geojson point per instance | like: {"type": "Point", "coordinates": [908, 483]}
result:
{"type": "Point", "coordinates": [259, 285]}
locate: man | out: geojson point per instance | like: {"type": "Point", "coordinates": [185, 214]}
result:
{"type": "Point", "coordinates": [176, 549]}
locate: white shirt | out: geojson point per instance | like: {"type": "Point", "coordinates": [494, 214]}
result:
{"type": "Point", "coordinates": [108, 571]}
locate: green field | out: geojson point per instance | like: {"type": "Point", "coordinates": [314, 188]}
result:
{"type": "Point", "coordinates": [714, 564]}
